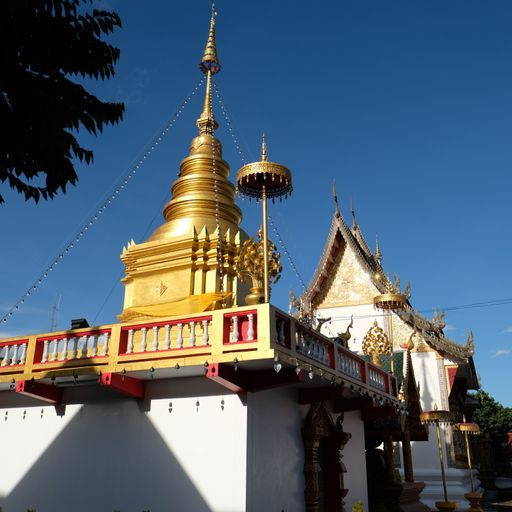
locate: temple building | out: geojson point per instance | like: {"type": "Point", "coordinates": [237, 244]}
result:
{"type": "Point", "coordinates": [351, 297]}
{"type": "Point", "coordinates": [204, 396]}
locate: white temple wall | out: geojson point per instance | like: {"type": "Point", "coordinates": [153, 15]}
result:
{"type": "Point", "coordinates": [275, 451]}
{"type": "Point", "coordinates": [186, 453]}
{"type": "Point", "coordinates": [355, 461]}
{"type": "Point", "coordinates": [364, 316]}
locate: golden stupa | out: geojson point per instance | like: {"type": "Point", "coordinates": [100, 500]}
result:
{"type": "Point", "coordinates": [188, 263]}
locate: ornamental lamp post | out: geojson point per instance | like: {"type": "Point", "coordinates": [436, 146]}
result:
{"type": "Point", "coordinates": [473, 497]}
{"type": "Point", "coordinates": [263, 180]}
{"type": "Point", "coordinates": [436, 417]}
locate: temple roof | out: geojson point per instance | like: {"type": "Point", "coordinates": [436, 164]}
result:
{"type": "Point", "coordinates": [340, 235]}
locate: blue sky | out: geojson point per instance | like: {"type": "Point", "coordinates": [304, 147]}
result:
{"type": "Point", "coordinates": [407, 104]}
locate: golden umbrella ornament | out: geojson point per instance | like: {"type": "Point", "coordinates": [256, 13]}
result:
{"type": "Point", "coordinates": [473, 497]}
{"type": "Point", "coordinates": [263, 180]}
{"type": "Point", "coordinates": [436, 417]}
{"type": "Point", "coordinates": [393, 301]}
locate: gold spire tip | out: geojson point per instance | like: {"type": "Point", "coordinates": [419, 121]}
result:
{"type": "Point", "coordinates": [210, 61]}
{"type": "Point", "coordinates": [209, 66]}
{"type": "Point", "coordinates": [263, 148]}
{"type": "Point", "coordinates": [378, 254]}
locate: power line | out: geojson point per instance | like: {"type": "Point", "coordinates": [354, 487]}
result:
{"type": "Point", "coordinates": [484, 304]}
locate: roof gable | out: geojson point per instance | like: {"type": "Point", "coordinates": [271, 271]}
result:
{"type": "Point", "coordinates": [349, 273]}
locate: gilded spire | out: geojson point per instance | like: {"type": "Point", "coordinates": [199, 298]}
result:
{"type": "Point", "coordinates": [210, 61]}
{"type": "Point", "coordinates": [378, 254]}
{"type": "Point", "coordinates": [209, 66]}
{"type": "Point", "coordinates": [263, 148]}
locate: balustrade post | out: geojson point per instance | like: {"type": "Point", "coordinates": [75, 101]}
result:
{"type": "Point", "coordinates": [144, 331]}
{"type": "Point", "coordinates": [292, 333]}
{"type": "Point", "coordinates": [179, 341]}
{"type": "Point", "coordinates": [104, 351]}
{"type": "Point", "coordinates": [167, 341]}
{"type": "Point", "coordinates": [192, 339]}
{"type": "Point", "coordinates": [5, 360]}
{"type": "Point", "coordinates": [55, 350]}
{"type": "Point", "coordinates": [23, 353]}
{"type": "Point", "coordinates": [74, 349]}
{"type": "Point", "coordinates": [205, 333]}
{"type": "Point", "coordinates": [299, 341]}
{"type": "Point", "coordinates": [129, 345]}
{"type": "Point", "coordinates": [44, 358]}
{"type": "Point", "coordinates": [64, 353]}
{"type": "Point", "coordinates": [85, 347]}
{"type": "Point", "coordinates": [94, 352]}
{"type": "Point", "coordinates": [250, 328]}
{"type": "Point", "coordinates": [280, 332]}
{"type": "Point", "coordinates": [15, 355]}
{"type": "Point", "coordinates": [234, 330]}
{"type": "Point", "coordinates": [154, 346]}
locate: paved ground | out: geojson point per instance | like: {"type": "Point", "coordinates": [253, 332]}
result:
{"type": "Point", "coordinates": [499, 500]}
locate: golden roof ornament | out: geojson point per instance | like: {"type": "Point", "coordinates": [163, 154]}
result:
{"type": "Point", "coordinates": [378, 254]}
{"type": "Point", "coordinates": [335, 197]}
{"type": "Point", "coordinates": [264, 177]}
{"type": "Point", "coordinates": [438, 320]}
{"type": "Point", "coordinates": [353, 212]}
{"type": "Point", "coordinates": [345, 336]}
{"type": "Point", "coordinates": [376, 343]}
{"type": "Point", "coordinates": [262, 180]}
{"type": "Point", "coordinates": [409, 345]}
{"type": "Point", "coordinates": [470, 343]}
{"type": "Point", "coordinates": [393, 299]}
{"type": "Point", "coordinates": [250, 266]}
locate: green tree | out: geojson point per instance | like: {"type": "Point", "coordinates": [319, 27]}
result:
{"type": "Point", "coordinates": [492, 417]}
{"type": "Point", "coordinates": [42, 44]}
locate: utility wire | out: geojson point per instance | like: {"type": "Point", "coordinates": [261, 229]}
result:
{"type": "Point", "coordinates": [484, 304]}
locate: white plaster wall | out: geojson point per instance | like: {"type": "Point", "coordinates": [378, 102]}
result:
{"type": "Point", "coordinates": [186, 454]}
{"type": "Point", "coordinates": [364, 316]}
{"type": "Point", "coordinates": [355, 461]}
{"type": "Point", "coordinates": [275, 453]}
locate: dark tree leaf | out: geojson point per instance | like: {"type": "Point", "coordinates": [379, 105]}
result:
{"type": "Point", "coordinates": [43, 43]}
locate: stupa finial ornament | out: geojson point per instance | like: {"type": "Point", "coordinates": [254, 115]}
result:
{"type": "Point", "coordinates": [209, 65]}
{"type": "Point", "coordinates": [200, 218]}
